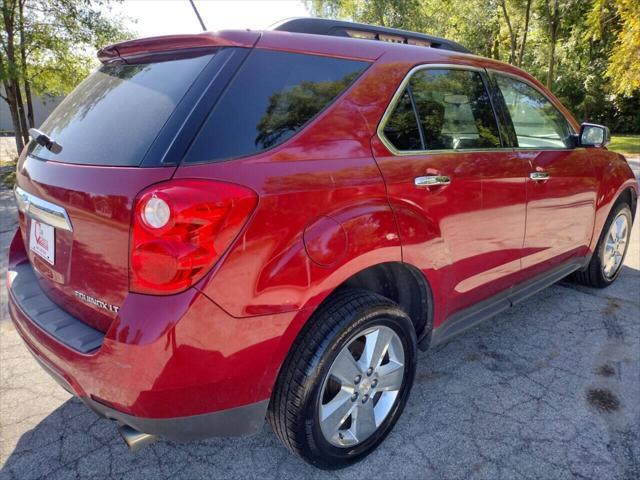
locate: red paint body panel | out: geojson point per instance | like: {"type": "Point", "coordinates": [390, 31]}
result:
{"type": "Point", "coordinates": [561, 210]}
{"type": "Point", "coordinates": [614, 177]}
{"type": "Point", "coordinates": [332, 201]}
{"type": "Point", "coordinates": [325, 170]}
{"type": "Point", "coordinates": [467, 237]}
{"type": "Point", "coordinates": [188, 357]}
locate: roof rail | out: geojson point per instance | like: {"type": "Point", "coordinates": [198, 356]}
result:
{"type": "Point", "coordinates": [338, 28]}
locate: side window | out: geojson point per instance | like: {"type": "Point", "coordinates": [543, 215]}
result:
{"type": "Point", "coordinates": [454, 109]}
{"type": "Point", "coordinates": [454, 112]}
{"type": "Point", "coordinates": [537, 122]}
{"type": "Point", "coordinates": [273, 95]}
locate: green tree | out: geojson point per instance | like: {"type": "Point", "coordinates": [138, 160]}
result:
{"type": "Point", "coordinates": [387, 13]}
{"type": "Point", "coordinates": [517, 31]}
{"type": "Point", "coordinates": [47, 47]}
{"type": "Point", "coordinates": [586, 51]}
{"type": "Point", "coordinates": [623, 18]}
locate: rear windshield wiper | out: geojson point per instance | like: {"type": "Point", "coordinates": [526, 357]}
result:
{"type": "Point", "coordinates": [45, 140]}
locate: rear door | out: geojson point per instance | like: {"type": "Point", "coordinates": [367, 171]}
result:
{"type": "Point", "coordinates": [117, 130]}
{"type": "Point", "coordinates": [458, 195]}
{"type": "Point", "coordinates": [561, 183]}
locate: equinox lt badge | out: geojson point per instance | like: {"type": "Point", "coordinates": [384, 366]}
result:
{"type": "Point", "coordinates": [97, 302]}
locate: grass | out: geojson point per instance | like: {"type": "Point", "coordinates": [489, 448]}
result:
{"type": "Point", "coordinates": [8, 158]}
{"type": "Point", "coordinates": [625, 144]}
{"type": "Point", "coordinates": [8, 177]}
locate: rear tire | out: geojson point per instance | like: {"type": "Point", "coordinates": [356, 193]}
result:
{"type": "Point", "coordinates": [330, 406]}
{"type": "Point", "coordinates": [608, 258]}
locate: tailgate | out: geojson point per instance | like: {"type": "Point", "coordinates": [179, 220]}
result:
{"type": "Point", "coordinates": [76, 204]}
{"type": "Point", "coordinates": [83, 267]}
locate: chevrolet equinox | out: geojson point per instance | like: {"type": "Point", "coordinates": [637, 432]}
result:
{"type": "Point", "coordinates": [219, 228]}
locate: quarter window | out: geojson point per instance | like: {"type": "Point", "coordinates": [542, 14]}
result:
{"type": "Point", "coordinates": [273, 96]}
{"type": "Point", "coordinates": [402, 127]}
{"type": "Point", "coordinates": [537, 122]}
{"type": "Point", "coordinates": [453, 109]}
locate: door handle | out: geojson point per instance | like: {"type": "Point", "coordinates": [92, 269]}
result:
{"type": "Point", "coordinates": [432, 181]}
{"type": "Point", "coordinates": [539, 176]}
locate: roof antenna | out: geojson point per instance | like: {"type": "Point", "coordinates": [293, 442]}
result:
{"type": "Point", "coordinates": [204, 29]}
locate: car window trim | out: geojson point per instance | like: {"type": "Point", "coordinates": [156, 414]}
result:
{"type": "Point", "coordinates": [398, 95]}
{"type": "Point", "coordinates": [505, 124]}
{"type": "Point", "coordinates": [414, 107]}
{"type": "Point", "coordinates": [493, 71]}
{"type": "Point", "coordinates": [487, 86]}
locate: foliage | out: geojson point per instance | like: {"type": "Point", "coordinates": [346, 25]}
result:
{"type": "Point", "coordinates": [586, 51]}
{"type": "Point", "coordinates": [622, 19]}
{"type": "Point", "coordinates": [47, 47]}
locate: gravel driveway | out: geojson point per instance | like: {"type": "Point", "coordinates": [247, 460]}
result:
{"type": "Point", "coordinates": [549, 389]}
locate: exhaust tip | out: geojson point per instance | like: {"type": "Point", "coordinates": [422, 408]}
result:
{"type": "Point", "coordinates": [134, 439]}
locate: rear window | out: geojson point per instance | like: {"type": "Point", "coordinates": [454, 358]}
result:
{"type": "Point", "coordinates": [114, 115]}
{"type": "Point", "coordinates": [272, 97]}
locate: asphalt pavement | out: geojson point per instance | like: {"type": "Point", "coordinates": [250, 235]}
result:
{"type": "Point", "coordinates": [547, 390]}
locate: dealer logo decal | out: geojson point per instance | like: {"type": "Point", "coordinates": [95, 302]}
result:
{"type": "Point", "coordinates": [40, 240]}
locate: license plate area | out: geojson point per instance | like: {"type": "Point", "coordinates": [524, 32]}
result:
{"type": "Point", "coordinates": [42, 241]}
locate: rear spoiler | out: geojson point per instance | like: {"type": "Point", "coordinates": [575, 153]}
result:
{"type": "Point", "coordinates": [134, 51]}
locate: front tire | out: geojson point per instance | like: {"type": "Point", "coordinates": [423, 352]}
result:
{"type": "Point", "coordinates": [346, 380]}
{"type": "Point", "coordinates": [606, 262]}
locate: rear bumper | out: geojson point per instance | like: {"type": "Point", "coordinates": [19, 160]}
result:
{"type": "Point", "coordinates": [174, 366]}
{"type": "Point", "coordinates": [239, 421]}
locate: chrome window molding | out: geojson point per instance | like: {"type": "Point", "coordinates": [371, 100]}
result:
{"type": "Point", "coordinates": [42, 210]}
{"type": "Point", "coordinates": [396, 98]}
{"type": "Point", "coordinates": [438, 66]}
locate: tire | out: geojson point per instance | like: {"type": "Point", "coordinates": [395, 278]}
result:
{"type": "Point", "coordinates": [598, 273]}
{"type": "Point", "coordinates": [309, 378]}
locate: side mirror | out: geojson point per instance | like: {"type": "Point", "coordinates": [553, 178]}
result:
{"type": "Point", "coordinates": [592, 135]}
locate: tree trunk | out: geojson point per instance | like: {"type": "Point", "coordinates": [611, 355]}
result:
{"type": "Point", "coordinates": [552, 62]}
{"type": "Point", "coordinates": [15, 115]}
{"type": "Point", "coordinates": [24, 129]}
{"type": "Point", "coordinates": [23, 60]}
{"type": "Point", "coordinates": [553, 20]}
{"type": "Point", "coordinates": [526, 30]}
{"type": "Point", "coordinates": [30, 116]}
{"type": "Point", "coordinates": [512, 37]}
{"type": "Point", "coordinates": [11, 84]}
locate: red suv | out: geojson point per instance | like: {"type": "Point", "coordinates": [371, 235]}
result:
{"type": "Point", "coordinates": [223, 227]}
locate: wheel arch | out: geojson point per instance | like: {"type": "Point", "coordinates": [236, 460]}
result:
{"type": "Point", "coordinates": [630, 197]}
{"type": "Point", "coordinates": [627, 192]}
{"type": "Point", "coordinates": [400, 282]}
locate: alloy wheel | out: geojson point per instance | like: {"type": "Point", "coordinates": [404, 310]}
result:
{"type": "Point", "coordinates": [362, 386]}
{"type": "Point", "coordinates": [615, 246]}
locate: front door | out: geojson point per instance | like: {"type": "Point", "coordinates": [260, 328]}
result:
{"type": "Point", "coordinates": [459, 198]}
{"type": "Point", "coordinates": [561, 184]}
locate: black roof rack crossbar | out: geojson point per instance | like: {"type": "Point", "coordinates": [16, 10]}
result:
{"type": "Point", "coordinates": [338, 28]}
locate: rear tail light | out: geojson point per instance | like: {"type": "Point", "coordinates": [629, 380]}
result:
{"type": "Point", "coordinates": [180, 230]}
